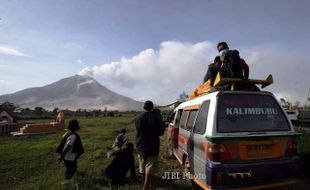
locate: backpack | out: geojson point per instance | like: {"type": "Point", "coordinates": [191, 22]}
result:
{"type": "Point", "coordinates": [159, 122]}
{"type": "Point", "coordinates": [62, 143]}
{"type": "Point", "coordinates": [233, 65]}
{"type": "Point", "coordinates": [77, 145]}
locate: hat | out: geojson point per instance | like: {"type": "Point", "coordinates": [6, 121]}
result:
{"type": "Point", "coordinates": [148, 105]}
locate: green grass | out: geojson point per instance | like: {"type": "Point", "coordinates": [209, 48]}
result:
{"type": "Point", "coordinates": [304, 151]}
{"type": "Point", "coordinates": [29, 162]}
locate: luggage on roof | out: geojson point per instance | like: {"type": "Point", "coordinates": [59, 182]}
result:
{"type": "Point", "coordinates": [230, 84]}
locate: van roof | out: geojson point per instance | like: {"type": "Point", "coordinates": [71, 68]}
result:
{"type": "Point", "coordinates": [200, 99]}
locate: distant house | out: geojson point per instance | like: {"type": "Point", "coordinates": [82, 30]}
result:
{"type": "Point", "coordinates": [7, 117]}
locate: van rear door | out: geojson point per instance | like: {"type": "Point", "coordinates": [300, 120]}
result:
{"type": "Point", "coordinates": [258, 123]}
{"type": "Point", "coordinates": [250, 113]}
{"type": "Point", "coordinates": [252, 137]}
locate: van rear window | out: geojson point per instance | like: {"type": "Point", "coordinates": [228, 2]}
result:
{"type": "Point", "coordinates": [250, 113]}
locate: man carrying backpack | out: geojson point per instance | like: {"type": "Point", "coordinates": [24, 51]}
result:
{"type": "Point", "coordinates": [235, 66]}
{"type": "Point", "coordinates": [149, 126]}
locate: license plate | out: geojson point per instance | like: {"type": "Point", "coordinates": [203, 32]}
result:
{"type": "Point", "coordinates": [259, 150]}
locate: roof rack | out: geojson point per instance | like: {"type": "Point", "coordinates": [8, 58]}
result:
{"type": "Point", "coordinates": [232, 82]}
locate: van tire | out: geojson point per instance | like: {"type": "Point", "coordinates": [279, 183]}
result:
{"type": "Point", "coordinates": [170, 147]}
{"type": "Point", "coordinates": [187, 169]}
{"type": "Point", "coordinates": [189, 180]}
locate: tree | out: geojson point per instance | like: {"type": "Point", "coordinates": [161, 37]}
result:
{"type": "Point", "coordinates": [97, 113]}
{"type": "Point", "coordinates": [26, 111]}
{"type": "Point", "coordinates": [85, 113]}
{"type": "Point", "coordinates": [297, 104]}
{"type": "Point", "coordinates": [111, 114]}
{"type": "Point", "coordinates": [183, 97]}
{"type": "Point", "coordinates": [55, 111]}
{"type": "Point", "coordinates": [78, 112]}
{"type": "Point", "coordinates": [8, 106]}
{"type": "Point", "coordinates": [39, 110]}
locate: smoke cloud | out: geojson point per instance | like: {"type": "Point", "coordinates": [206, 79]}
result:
{"type": "Point", "coordinates": [161, 75]}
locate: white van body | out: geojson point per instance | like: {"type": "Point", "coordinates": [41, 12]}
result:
{"type": "Point", "coordinates": [233, 139]}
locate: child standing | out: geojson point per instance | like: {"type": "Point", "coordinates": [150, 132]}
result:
{"type": "Point", "coordinates": [70, 148]}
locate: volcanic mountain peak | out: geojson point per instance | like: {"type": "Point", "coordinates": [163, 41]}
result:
{"type": "Point", "coordinates": [72, 93]}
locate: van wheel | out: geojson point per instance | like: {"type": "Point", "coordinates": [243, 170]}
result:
{"type": "Point", "coordinates": [189, 177]}
{"type": "Point", "coordinates": [187, 170]}
{"type": "Point", "coordinates": [170, 147]}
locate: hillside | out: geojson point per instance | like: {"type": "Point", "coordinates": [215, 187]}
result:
{"type": "Point", "coordinates": [72, 93]}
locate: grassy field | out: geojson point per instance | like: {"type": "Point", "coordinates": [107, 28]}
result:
{"type": "Point", "coordinates": [29, 162]}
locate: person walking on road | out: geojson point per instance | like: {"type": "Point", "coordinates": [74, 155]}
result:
{"type": "Point", "coordinates": [149, 126]}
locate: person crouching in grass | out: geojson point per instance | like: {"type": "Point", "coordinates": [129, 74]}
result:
{"type": "Point", "coordinates": [123, 161]}
{"type": "Point", "coordinates": [70, 148]}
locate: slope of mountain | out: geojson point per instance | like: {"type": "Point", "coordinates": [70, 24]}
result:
{"type": "Point", "coordinates": [72, 93]}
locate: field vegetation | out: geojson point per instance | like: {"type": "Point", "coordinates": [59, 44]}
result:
{"type": "Point", "coordinates": [29, 162]}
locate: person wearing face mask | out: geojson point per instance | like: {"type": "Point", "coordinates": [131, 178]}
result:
{"type": "Point", "coordinates": [228, 63]}
{"type": "Point", "coordinates": [233, 66]}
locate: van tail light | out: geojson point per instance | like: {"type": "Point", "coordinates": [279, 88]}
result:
{"type": "Point", "coordinates": [216, 152]}
{"type": "Point", "coordinates": [291, 148]}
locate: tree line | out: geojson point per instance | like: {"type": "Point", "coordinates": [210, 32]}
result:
{"type": "Point", "coordinates": [41, 113]}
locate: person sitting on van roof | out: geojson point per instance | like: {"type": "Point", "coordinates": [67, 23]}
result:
{"type": "Point", "coordinates": [213, 69]}
{"type": "Point", "coordinates": [235, 66]}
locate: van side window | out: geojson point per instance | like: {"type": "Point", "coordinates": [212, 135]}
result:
{"type": "Point", "coordinates": [183, 119]}
{"type": "Point", "coordinates": [191, 119]}
{"type": "Point", "coordinates": [178, 118]}
{"type": "Point", "coordinates": [201, 121]}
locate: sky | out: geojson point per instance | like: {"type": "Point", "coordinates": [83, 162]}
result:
{"type": "Point", "coordinates": [152, 49]}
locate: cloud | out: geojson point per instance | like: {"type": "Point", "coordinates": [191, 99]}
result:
{"type": "Point", "coordinates": [8, 50]}
{"type": "Point", "coordinates": [289, 67]}
{"type": "Point", "coordinates": [80, 62]}
{"type": "Point", "coordinates": [161, 75]}
{"type": "Point", "coordinates": [3, 81]}
{"type": "Point", "coordinates": [5, 86]}
{"type": "Point", "coordinates": [174, 63]}
{"type": "Point", "coordinates": [4, 66]}
{"type": "Point", "coordinates": [175, 67]}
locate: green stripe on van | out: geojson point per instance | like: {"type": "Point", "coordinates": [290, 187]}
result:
{"type": "Point", "coordinates": [227, 138]}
